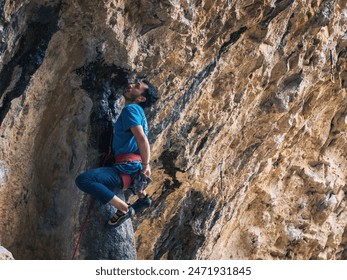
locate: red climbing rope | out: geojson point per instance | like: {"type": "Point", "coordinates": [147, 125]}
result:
{"type": "Point", "coordinates": [91, 204]}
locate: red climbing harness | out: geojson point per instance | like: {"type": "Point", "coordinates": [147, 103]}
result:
{"type": "Point", "coordinates": [126, 158]}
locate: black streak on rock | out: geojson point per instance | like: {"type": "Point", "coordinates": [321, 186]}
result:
{"type": "Point", "coordinates": [104, 84]}
{"type": "Point", "coordinates": [30, 54]}
{"type": "Point", "coordinates": [280, 6]}
{"type": "Point", "coordinates": [2, 11]}
{"type": "Point", "coordinates": [202, 144]}
{"type": "Point", "coordinates": [4, 26]}
{"type": "Point", "coordinates": [183, 235]}
{"type": "Point", "coordinates": [168, 160]}
{"type": "Point", "coordinates": [234, 37]}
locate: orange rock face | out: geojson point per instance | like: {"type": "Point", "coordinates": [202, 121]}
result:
{"type": "Point", "coordinates": [248, 140]}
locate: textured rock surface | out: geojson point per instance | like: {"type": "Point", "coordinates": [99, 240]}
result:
{"type": "Point", "coordinates": [106, 243]}
{"type": "Point", "coordinates": [5, 254]}
{"type": "Point", "coordinates": [248, 139]}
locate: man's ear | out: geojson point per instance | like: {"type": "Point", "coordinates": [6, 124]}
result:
{"type": "Point", "coordinates": [141, 99]}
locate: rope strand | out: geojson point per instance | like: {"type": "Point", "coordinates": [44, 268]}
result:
{"type": "Point", "coordinates": [90, 207]}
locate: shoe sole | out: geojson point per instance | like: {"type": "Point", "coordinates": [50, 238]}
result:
{"type": "Point", "coordinates": [122, 219]}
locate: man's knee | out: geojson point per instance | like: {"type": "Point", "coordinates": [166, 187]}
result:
{"type": "Point", "coordinates": [81, 181]}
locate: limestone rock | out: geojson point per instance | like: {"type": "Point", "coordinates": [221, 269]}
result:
{"type": "Point", "coordinates": [5, 254]}
{"type": "Point", "coordinates": [248, 140]}
{"type": "Point", "coordinates": [101, 242]}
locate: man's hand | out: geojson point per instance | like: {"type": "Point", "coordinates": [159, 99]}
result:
{"type": "Point", "coordinates": [146, 169]}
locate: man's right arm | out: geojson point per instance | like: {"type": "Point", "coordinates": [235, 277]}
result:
{"type": "Point", "coordinates": [144, 148]}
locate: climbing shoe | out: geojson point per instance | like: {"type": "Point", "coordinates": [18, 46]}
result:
{"type": "Point", "coordinates": [119, 217]}
{"type": "Point", "coordinates": [142, 203]}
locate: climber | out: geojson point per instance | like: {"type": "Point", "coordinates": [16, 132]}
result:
{"type": "Point", "coordinates": [131, 151]}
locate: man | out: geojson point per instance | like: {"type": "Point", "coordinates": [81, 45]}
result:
{"type": "Point", "coordinates": [131, 149]}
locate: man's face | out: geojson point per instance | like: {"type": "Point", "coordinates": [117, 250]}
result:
{"type": "Point", "coordinates": [134, 91]}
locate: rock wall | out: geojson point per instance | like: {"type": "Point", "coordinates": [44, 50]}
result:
{"type": "Point", "coordinates": [248, 139]}
{"type": "Point", "coordinates": [5, 254]}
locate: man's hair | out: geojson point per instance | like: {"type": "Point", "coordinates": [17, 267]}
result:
{"type": "Point", "coordinates": [151, 94]}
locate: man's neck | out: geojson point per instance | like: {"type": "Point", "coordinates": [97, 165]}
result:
{"type": "Point", "coordinates": [130, 102]}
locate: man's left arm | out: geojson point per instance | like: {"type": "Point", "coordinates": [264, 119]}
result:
{"type": "Point", "coordinates": [144, 148]}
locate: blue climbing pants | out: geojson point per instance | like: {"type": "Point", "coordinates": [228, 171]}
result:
{"type": "Point", "coordinates": [100, 183]}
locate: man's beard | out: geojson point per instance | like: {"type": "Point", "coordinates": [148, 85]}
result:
{"type": "Point", "coordinates": [130, 98]}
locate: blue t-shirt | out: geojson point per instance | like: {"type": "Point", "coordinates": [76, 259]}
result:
{"type": "Point", "coordinates": [124, 141]}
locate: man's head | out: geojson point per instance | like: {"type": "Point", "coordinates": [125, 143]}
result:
{"type": "Point", "coordinates": [142, 93]}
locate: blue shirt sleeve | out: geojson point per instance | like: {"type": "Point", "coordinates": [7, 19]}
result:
{"type": "Point", "coordinates": [131, 117]}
